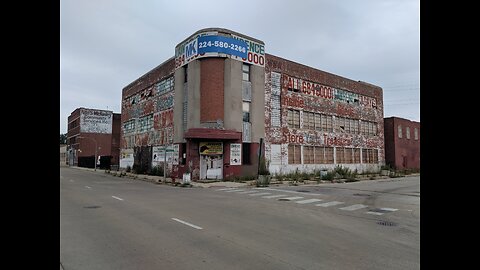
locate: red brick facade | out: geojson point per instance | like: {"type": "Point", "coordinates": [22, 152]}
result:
{"type": "Point", "coordinates": [402, 143]}
{"type": "Point", "coordinates": [211, 89]}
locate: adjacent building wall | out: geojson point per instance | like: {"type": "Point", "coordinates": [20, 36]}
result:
{"type": "Point", "coordinates": [304, 89]}
{"type": "Point", "coordinates": [401, 144]}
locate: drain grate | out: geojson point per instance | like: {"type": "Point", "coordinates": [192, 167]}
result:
{"type": "Point", "coordinates": [303, 190]}
{"type": "Point", "coordinates": [92, 207]}
{"type": "Point", "coordinates": [363, 195]}
{"type": "Point", "coordinates": [284, 200]}
{"type": "Point", "coordinates": [387, 223]}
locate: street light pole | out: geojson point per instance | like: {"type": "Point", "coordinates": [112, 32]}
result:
{"type": "Point", "coordinates": [95, 161]}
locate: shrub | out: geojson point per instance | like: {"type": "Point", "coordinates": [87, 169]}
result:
{"type": "Point", "coordinates": [329, 176]}
{"type": "Point", "coordinates": [128, 168]}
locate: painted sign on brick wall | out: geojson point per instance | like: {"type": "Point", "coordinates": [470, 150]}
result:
{"type": "Point", "coordinates": [323, 91]}
{"type": "Point", "coordinates": [95, 121]}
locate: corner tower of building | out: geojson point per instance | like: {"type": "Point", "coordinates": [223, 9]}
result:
{"type": "Point", "coordinates": [219, 101]}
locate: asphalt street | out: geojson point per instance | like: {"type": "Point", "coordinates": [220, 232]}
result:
{"type": "Point", "coordinates": [109, 222]}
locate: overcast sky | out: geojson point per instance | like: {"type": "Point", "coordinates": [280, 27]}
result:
{"type": "Point", "coordinates": [107, 44]}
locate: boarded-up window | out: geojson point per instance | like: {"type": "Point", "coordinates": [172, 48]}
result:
{"type": "Point", "coordinates": [129, 126]}
{"type": "Point", "coordinates": [319, 155]}
{"type": "Point", "coordinates": [293, 119]}
{"type": "Point", "coordinates": [348, 155]}
{"type": "Point", "coordinates": [294, 154]}
{"type": "Point", "coordinates": [329, 155]}
{"type": "Point", "coordinates": [356, 155]}
{"type": "Point", "coordinates": [308, 153]}
{"type": "Point", "coordinates": [408, 133]}
{"type": "Point", "coordinates": [400, 131]}
{"type": "Point", "coordinates": [318, 121]}
{"type": "Point", "coordinates": [145, 123]}
{"type": "Point", "coordinates": [365, 156]}
{"type": "Point", "coordinates": [275, 115]}
{"type": "Point", "coordinates": [340, 124]}
{"type": "Point", "coordinates": [340, 155]}
{"type": "Point", "coordinates": [329, 123]}
{"type": "Point", "coordinates": [415, 132]}
{"type": "Point", "coordinates": [370, 155]}
{"type": "Point", "coordinates": [309, 120]}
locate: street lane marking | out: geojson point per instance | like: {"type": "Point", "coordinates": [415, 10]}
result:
{"type": "Point", "coordinates": [290, 191]}
{"type": "Point", "coordinates": [388, 209]}
{"type": "Point", "coordinates": [327, 204]}
{"type": "Point", "coordinates": [222, 189]}
{"type": "Point", "coordinates": [258, 194]}
{"type": "Point", "coordinates": [353, 207]}
{"type": "Point", "coordinates": [274, 196]}
{"type": "Point", "coordinates": [234, 190]}
{"type": "Point", "coordinates": [88, 187]}
{"type": "Point", "coordinates": [381, 211]}
{"type": "Point", "coordinates": [71, 180]}
{"type": "Point", "coordinates": [374, 213]}
{"type": "Point", "coordinates": [188, 224]}
{"type": "Point", "coordinates": [117, 198]}
{"type": "Point", "coordinates": [309, 201]}
{"type": "Point", "coordinates": [291, 198]}
{"type": "Point", "coordinates": [249, 191]}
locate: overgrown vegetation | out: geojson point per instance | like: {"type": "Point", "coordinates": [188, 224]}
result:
{"type": "Point", "coordinates": [157, 170]}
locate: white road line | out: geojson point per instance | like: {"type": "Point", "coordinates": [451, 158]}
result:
{"type": "Point", "coordinates": [309, 201]}
{"type": "Point", "coordinates": [388, 209]}
{"type": "Point", "coordinates": [274, 196]}
{"type": "Point", "coordinates": [88, 187]}
{"type": "Point", "coordinates": [234, 190]}
{"type": "Point", "coordinates": [327, 204]}
{"type": "Point", "coordinates": [290, 191]}
{"type": "Point", "coordinates": [291, 198]}
{"type": "Point", "coordinates": [248, 191]}
{"type": "Point", "coordinates": [222, 189]}
{"type": "Point", "coordinates": [353, 207]}
{"type": "Point", "coordinates": [258, 194]}
{"type": "Point", "coordinates": [188, 224]}
{"type": "Point", "coordinates": [117, 198]}
{"type": "Point", "coordinates": [71, 180]}
{"type": "Point", "coordinates": [374, 213]}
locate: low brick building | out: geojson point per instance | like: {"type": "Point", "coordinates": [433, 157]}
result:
{"type": "Point", "coordinates": [212, 104]}
{"type": "Point", "coordinates": [402, 143]}
{"type": "Point", "coordinates": [90, 128]}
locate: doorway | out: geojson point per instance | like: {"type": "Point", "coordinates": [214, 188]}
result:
{"type": "Point", "coordinates": [211, 167]}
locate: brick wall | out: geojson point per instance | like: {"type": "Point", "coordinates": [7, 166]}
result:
{"type": "Point", "coordinates": [211, 89]}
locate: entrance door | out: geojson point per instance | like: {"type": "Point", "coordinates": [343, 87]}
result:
{"type": "Point", "coordinates": [211, 166]}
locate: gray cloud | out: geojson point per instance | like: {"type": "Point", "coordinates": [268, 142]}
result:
{"type": "Point", "coordinates": [105, 45]}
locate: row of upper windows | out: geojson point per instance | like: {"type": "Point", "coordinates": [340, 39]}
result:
{"type": "Point", "coordinates": [144, 124]}
{"type": "Point", "coordinates": [400, 133]}
{"type": "Point", "coordinates": [326, 123]}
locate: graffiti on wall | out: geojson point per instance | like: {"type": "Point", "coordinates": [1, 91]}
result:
{"type": "Point", "coordinates": [163, 119]}
{"type": "Point", "coordinates": [328, 139]}
{"type": "Point", "coordinates": [326, 92]}
{"type": "Point", "coordinates": [95, 121]}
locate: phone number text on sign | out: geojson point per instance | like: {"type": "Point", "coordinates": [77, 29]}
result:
{"type": "Point", "coordinates": [221, 44]}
